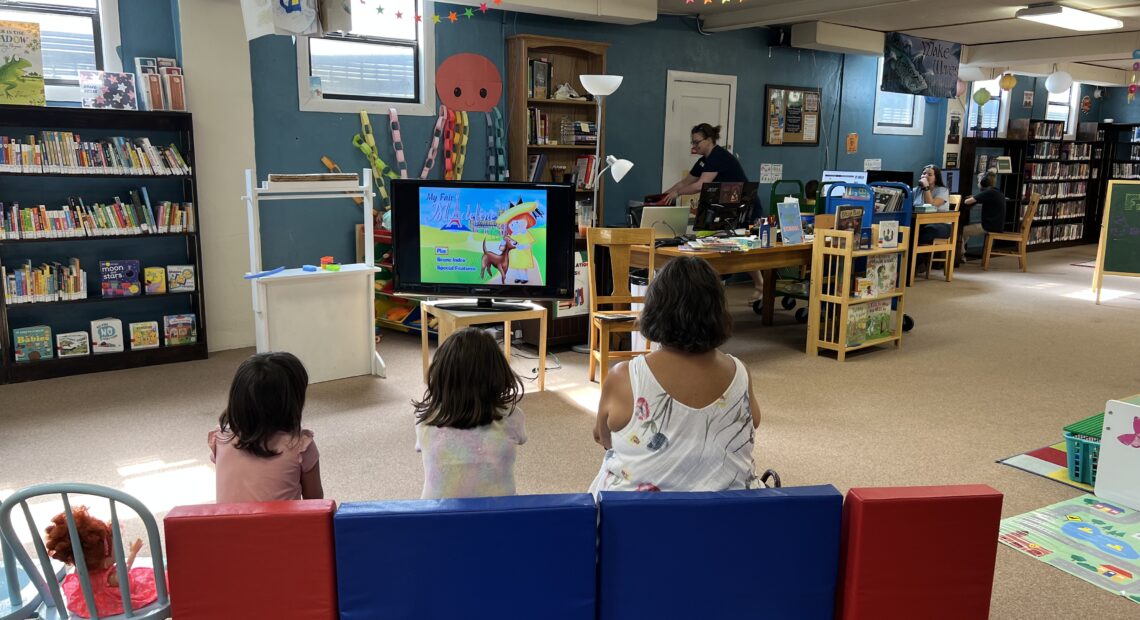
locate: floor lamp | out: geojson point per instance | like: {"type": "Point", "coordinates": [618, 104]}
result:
{"type": "Point", "coordinates": [600, 86]}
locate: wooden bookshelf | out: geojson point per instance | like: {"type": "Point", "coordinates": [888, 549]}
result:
{"type": "Point", "coordinates": [53, 190]}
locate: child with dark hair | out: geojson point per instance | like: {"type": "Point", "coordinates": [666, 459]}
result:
{"type": "Point", "coordinates": [681, 418]}
{"type": "Point", "coordinates": [95, 540]}
{"type": "Point", "coordinates": [261, 451]}
{"type": "Point", "coordinates": [468, 424]}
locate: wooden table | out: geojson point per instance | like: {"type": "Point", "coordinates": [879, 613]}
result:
{"type": "Point", "coordinates": [451, 320]}
{"type": "Point", "coordinates": [767, 260]}
{"type": "Point", "coordinates": [937, 217]}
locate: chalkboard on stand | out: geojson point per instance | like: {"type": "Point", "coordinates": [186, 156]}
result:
{"type": "Point", "coordinates": [1119, 251]}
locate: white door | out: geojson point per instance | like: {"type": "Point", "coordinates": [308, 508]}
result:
{"type": "Point", "coordinates": [692, 99]}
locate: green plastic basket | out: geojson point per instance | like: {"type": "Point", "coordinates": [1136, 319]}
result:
{"type": "Point", "coordinates": [1082, 445]}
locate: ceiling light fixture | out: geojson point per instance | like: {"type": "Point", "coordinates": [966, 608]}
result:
{"type": "Point", "coordinates": [1066, 17]}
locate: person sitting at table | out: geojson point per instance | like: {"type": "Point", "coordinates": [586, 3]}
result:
{"type": "Point", "coordinates": [684, 417]}
{"type": "Point", "coordinates": [932, 191]}
{"type": "Point", "coordinates": [993, 212]}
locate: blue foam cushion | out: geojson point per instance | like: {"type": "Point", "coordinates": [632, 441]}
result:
{"type": "Point", "coordinates": [497, 557]}
{"type": "Point", "coordinates": [767, 553]}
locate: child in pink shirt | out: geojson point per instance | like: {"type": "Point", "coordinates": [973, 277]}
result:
{"type": "Point", "coordinates": [468, 426]}
{"type": "Point", "coordinates": [260, 451]}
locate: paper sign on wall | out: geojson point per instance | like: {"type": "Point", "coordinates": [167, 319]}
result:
{"type": "Point", "coordinates": [872, 164]}
{"type": "Point", "coordinates": [770, 173]}
{"type": "Point", "coordinates": [852, 143]}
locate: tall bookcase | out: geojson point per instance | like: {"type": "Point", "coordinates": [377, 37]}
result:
{"type": "Point", "coordinates": [568, 59]}
{"type": "Point", "coordinates": [54, 189]}
{"type": "Point", "coordinates": [978, 154]}
{"type": "Point", "coordinates": [1119, 144]}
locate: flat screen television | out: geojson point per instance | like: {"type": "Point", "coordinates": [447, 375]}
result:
{"type": "Point", "coordinates": [483, 240]}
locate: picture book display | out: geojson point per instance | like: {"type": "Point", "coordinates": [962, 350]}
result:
{"type": "Point", "coordinates": [107, 335]}
{"type": "Point", "coordinates": [580, 304]}
{"type": "Point", "coordinates": [864, 287]}
{"type": "Point", "coordinates": [119, 278]}
{"type": "Point", "coordinates": [21, 64]}
{"type": "Point", "coordinates": [30, 344]}
{"type": "Point", "coordinates": [857, 321]}
{"type": "Point", "coordinates": [888, 234]}
{"type": "Point", "coordinates": [791, 230]}
{"type": "Point", "coordinates": [47, 282]}
{"type": "Point", "coordinates": [879, 319]}
{"type": "Point", "coordinates": [482, 236]}
{"type": "Point", "coordinates": [180, 329]}
{"type": "Point", "coordinates": [108, 90]}
{"type": "Point", "coordinates": [144, 335]}
{"type": "Point", "coordinates": [155, 280]}
{"type": "Point", "coordinates": [848, 217]}
{"type": "Point", "coordinates": [180, 279]}
{"type": "Point", "coordinates": [72, 344]}
{"type": "Point", "coordinates": [883, 271]}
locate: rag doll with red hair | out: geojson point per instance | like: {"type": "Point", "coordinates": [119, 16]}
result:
{"type": "Point", "coordinates": [95, 538]}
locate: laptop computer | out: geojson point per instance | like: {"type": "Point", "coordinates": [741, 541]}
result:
{"type": "Point", "coordinates": [666, 222]}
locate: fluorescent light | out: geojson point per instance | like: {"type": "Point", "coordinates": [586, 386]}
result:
{"type": "Point", "coordinates": [1066, 17]}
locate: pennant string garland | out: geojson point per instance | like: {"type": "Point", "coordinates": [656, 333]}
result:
{"type": "Point", "coordinates": [448, 17]}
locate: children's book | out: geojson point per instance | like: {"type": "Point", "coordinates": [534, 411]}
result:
{"type": "Point", "coordinates": [541, 76]}
{"type": "Point", "coordinates": [889, 234]}
{"type": "Point", "coordinates": [21, 64]}
{"type": "Point", "coordinates": [857, 324]}
{"type": "Point", "coordinates": [148, 83]}
{"type": "Point", "coordinates": [30, 344]}
{"type": "Point", "coordinates": [108, 90]}
{"type": "Point", "coordinates": [155, 278]}
{"type": "Point", "coordinates": [180, 278]}
{"type": "Point", "coordinates": [107, 336]}
{"type": "Point", "coordinates": [174, 86]}
{"type": "Point", "coordinates": [864, 287]}
{"type": "Point", "coordinates": [849, 217]}
{"type": "Point", "coordinates": [72, 344]}
{"type": "Point", "coordinates": [144, 335]}
{"type": "Point", "coordinates": [883, 269]}
{"type": "Point", "coordinates": [791, 230]}
{"type": "Point", "coordinates": [180, 329]}
{"type": "Point", "coordinates": [879, 321]}
{"type": "Point", "coordinates": [120, 278]}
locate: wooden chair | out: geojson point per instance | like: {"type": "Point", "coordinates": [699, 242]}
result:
{"type": "Point", "coordinates": [618, 241]}
{"type": "Point", "coordinates": [941, 250]}
{"type": "Point", "coordinates": [1021, 238]}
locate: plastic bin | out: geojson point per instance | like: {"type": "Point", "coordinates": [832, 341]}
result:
{"type": "Point", "coordinates": [1082, 445]}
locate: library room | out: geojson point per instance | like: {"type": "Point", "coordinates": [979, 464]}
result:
{"type": "Point", "coordinates": [339, 292]}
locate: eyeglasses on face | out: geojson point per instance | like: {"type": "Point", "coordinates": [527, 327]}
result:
{"type": "Point", "coordinates": [696, 142]}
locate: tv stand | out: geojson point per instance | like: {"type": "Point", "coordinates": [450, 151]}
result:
{"type": "Point", "coordinates": [483, 305]}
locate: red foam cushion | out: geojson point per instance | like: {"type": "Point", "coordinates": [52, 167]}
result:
{"type": "Point", "coordinates": [254, 560]}
{"type": "Point", "coordinates": [919, 552]}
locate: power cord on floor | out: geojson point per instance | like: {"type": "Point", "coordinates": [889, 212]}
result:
{"type": "Point", "coordinates": [527, 353]}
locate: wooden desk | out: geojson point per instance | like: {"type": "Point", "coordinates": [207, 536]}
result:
{"type": "Point", "coordinates": [451, 320]}
{"type": "Point", "coordinates": [767, 260]}
{"type": "Point", "coordinates": [938, 217]}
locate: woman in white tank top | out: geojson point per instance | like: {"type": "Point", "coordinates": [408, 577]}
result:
{"type": "Point", "coordinates": [681, 418]}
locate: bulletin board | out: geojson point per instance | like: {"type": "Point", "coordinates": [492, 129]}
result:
{"type": "Point", "coordinates": [792, 115]}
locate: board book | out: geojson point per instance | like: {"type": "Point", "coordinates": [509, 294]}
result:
{"type": "Point", "coordinates": [155, 278]}
{"type": "Point", "coordinates": [107, 335]}
{"type": "Point", "coordinates": [119, 278]}
{"type": "Point", "coordinates": [30, 344]}
{"type": "Point", "coordinates": [180, 329]}
{"type": "Point", "coordinates": [144, 335]}
{"type": "Point", "coordinates": [180, 278]}
{"type": "Point", "coordinates": [72, 344]}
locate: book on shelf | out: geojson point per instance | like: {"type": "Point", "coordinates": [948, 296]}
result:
{"type": "Point", "coordinates": [149, 84]}
{"type": "Point", "coordinates": [144, 335]}
{"type": "Point", "coordinates": [72, 344]}
{"type": "Point", "coordinates": [180, 279]}
{"type": "Point", "coordinates": [536, 167]}
{"type": "Point", "coordinates": [540, 78]}
{"type": "Point", "coordinates": [180, 329]}
{"type": "Point", "coordinates": [883, 269]}
{"type": "Point", "coordinates": [107, 335]}
{"type": "Point", "coordinates": [857, 318]}
{"type": "Point", "coordinates": [879, 319]}
{"type": "Point", "coordinates": [888, 199]}
{"type": "Point", "coordinates": [30, 344]}
{"type": "Point", "coordinates": [154, 280]}
{"type": "Point", "coordinates": [107, 90]}
{"type": "Point", "coordinates": [864, 287]}
{"type": "Point", "coordinates": [119, 278]}
{"type": "Point", "coordinates": [75, 219]}
{"type": "Point", "coordinates": [849, 217]}
{"type": "Point", "coordinates": [888, 234]}
{"type": "Point", "coordinates": [791, 229]}
{"type": "Point", "coordinates": [47, 282]}
{"type": "Point", "coordinates": [65, 152]}
{"type": "Point", "coordinates": [21, 51]}
{"type": "Point", "coordinates": [584, 171]}
{"type": "Point", "coordinates": [579, 133]}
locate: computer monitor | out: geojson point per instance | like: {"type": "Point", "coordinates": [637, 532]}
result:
{"type": "Point", "coordinates": [905, 177]}
{"type": "Point", "coordinates": [725, 206]}
{"type": "Point", "coordinates": [666, 222]}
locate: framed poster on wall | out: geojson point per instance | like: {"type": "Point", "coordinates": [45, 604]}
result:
{"type": "Point", "coordinates": [791, 115]}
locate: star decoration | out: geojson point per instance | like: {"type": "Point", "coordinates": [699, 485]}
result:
{"type": "Point", "coordinates": [468, 13]}
{"type": "Point", "coordinates": [380, 9]}
{"type": "Point", "coordinates": [452, 17]}
{"type": "Point", "coordinates": [419, 18]}
{"type": "Point", "coordinates": [435, 19]}
{"type": "Point", "coordinates": [498, 1]}
{"type": "Point", "coordinates": [399, 15]}
{"type": "Point", "coordinates": [483, 7]}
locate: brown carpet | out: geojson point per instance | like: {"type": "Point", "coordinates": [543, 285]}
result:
{"type": "Point", "coordinates": [997, 363]}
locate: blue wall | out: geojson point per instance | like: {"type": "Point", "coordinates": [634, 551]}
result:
{"type": "Point", "coordinates": [288, 140]}
{"type": "Point", "coordinates": [1114, 104]}
{"type": "Point", "coordinates": [148, 28]}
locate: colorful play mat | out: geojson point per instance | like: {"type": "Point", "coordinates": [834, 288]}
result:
{"type": "Point", "coordinates": [1087, 537]}
{"type": "Point", "coordinates": [1050, 462]}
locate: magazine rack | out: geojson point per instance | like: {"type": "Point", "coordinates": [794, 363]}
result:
{"type": "Point", "coordinates": [325, 318]}
{"type": "Point", "coordinates": [838, 319]}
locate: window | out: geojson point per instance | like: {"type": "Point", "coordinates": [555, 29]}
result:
{"type": "Point", "coordinates": [74, 37]}
{"type": "Point", "coordinates": [382, 62]}
{"type": "Point", "coordinates": [896, 113]}
{"type": "Point", "coordinates": [1062, 107]}
{"type": "Point", "coordinates": [986, 118]}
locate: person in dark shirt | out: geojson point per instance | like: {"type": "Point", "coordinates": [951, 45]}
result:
{"type": "Point", "coordinates": [715, 164]}
{"type": "Point", "coordinates": [993, 212]}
